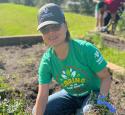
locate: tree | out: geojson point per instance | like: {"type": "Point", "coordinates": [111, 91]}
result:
{"type": "Point", "coordinates": [81, 6]}
{"type": "Point", "coordinates": [87, 6]}
{"type": "Point", "coordinates": [15, 1]}
{"type": "Point", "coordinates": [28, 2]}
{"type": "Point", "coordinates": [73, 6]}
{"type": "Point", "coordinates": [59, 2]}
{"type": "Point", "coordinates": [42, 2]}
{"type": "Point", "coordinates": [3, 1]}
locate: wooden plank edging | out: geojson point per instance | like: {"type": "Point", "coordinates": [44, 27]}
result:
{"type": "Point", "coordinates": [18, 40]}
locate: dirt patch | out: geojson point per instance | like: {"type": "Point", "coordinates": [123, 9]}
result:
{"type": "Point", "coordinates": [19, 64]}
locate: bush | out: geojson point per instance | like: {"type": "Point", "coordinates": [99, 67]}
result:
{"type": "Point", "coordinates": [73, 6]}
{"type": "Point", "coordinates": [87, 7]}
{"type": "Point", "coordinates": [121, 23]}
{"type": "Point", "coordinates": [81, 6]}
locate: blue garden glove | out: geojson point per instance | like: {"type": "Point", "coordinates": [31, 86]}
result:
{"type": "Point", "coordinates": [102, 101]}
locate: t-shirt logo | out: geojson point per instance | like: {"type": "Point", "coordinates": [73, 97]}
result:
{"type": "Point", "coordinates": [96, 54]}
{"type": "Point", "coordinates": [98, 57]}
{"type": "Point", "coordinates": [67, 73]}
{"type": "Point", "coordinates": [73, 80]}
{"type": "Point", "coordinates": [71, 77]}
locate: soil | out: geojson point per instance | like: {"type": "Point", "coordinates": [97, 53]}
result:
{"type": "Point", "coordinates": [19, 64]}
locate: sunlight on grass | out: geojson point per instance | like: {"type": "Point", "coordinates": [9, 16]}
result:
{"type": "Point", "coordinates": [79, 24]}
{"type": "Point", "coordinates": [20, 20]}
{"type": "Point", "coordinates": [114, 55]}
{"type": "Point", "coordinates": [3, 84]}
{"type": "Point", "coordinates": [17, 20]}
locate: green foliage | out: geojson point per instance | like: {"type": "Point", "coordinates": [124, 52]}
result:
{"type": "Point", "coordinates": [121, 25]}
{"type": "Point", "coordinates": [4, 1]}
{"type": "Point", "coordinates": [25, 2]}
{"type": "Point", "coordinates": [73, 6]}
{"type": "Point", "coordinates": [81, 6]}
{"type": "Point", "coordinates": [13, 103]}
{"type": "Point", "coordinates": [59, 2]}
{"type": "Point", "coordinates": [32, 2]}
{"type": "Point", "coordinates": [13, 106]}
{"type": "Point", "coordinates": [87, 6]}
{"type": "Point", "coordinates": [9, 106]}
{"type": "Point", "coordinates": [3, 84]}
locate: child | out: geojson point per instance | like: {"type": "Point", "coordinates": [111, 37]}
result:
{"type": "Point", "coordinates": [76, 65]}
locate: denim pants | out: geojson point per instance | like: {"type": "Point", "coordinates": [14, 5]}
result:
{"type": "Point", "coordinates": [61, 103]}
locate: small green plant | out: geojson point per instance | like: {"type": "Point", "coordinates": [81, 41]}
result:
{"type": "Point", "coordinates": [13, 105]}
{"type": "Point", "coordinates": [11, 102]}
{"type": "Point", "coordinates": [121, 23]}
{"type": "Point", "coordinates": [3, 85]}
{"type": "Point", "coordinates": [121, 26]}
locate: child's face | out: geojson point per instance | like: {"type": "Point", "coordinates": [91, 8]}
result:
{"type": "Point", "coordinates": [53, 34]}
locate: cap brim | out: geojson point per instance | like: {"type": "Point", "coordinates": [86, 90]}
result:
{"type": "Point", "coordinates": [46, 23]}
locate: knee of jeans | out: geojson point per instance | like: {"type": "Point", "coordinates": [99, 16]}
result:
{"type": "Point", "coordinates": [51, 112]}
{"type": "Point", "coordinates": [87, 108]}
{"type": "Point", "coordinates": [52, 109]}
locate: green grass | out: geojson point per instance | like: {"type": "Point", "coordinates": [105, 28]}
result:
{"type": "Point", "coordinates": [114, 56]}
{"type": "Point", "coordinates": [20, 20]}
{"type": "Point", "coordinates": [79, 24]}
{"type": "Point", "coordinates": [17, 20]}
{"type": "Point", "coordinates": [3, 84]}
{"type": "Point", "coordinates": [10, 101]}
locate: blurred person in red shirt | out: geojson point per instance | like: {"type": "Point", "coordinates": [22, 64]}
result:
{"type": "Point", "coordinates": [112, 15]}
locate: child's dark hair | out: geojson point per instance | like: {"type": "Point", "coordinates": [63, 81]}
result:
{"type": "Point", "coordinates": [67, 36]}
{"type": "Point", "coordinates": [67, 33]}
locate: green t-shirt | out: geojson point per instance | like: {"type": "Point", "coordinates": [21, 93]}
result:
{"type": "Point", "coordinates": [99, 5]}
{"type": "Point", "coordinates": [77, 72]}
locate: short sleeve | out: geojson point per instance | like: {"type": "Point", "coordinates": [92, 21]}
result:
{"type": "Point", "coordinates": [94, 58]}
{"type": "Point", "coordinates": [44, 73]}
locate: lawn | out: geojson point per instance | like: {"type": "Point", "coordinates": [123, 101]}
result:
{"type": "Point", "coordinates": [20, 20]}
{"type": "Point", "coordinates": [114, 55]}
{"type": "Point", "coordinates": [17, 20]}
{"type": "Point", "coordinates": [79, 24]}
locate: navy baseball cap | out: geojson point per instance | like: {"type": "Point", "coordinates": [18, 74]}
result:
{"type": "Point", "coordinates": [50, 14]}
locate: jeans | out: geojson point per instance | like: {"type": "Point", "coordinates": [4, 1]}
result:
{"type": "Point", "coordinates": [61, 103]}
